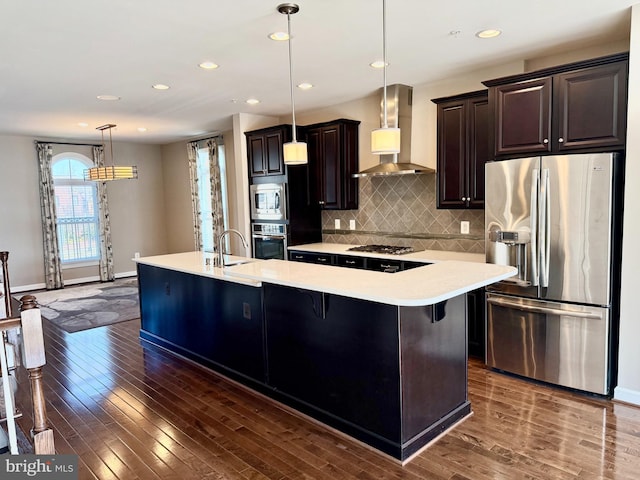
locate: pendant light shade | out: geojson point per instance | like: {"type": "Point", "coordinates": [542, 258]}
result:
{"type": "Point", "coordinates": [294, 152]}
{"type": "Point", "coordinates": [385, 140]}
{"type": "Point", "coordinates": [113, 172]}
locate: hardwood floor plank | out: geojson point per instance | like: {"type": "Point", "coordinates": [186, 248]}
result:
{"type": "Point", "coordinates": [131, 410]}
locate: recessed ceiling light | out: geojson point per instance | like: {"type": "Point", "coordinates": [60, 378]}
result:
{"type": "Point", "coordinates": [108, 97]}
{"type": "Point", "coordinates": [161, 86]}
{"type": "Point", "coordinates": [378, 64]}
{"type": "Point", "coordinates": [209, 65]}
{"type": "Point", "coordinates": [142, 129]}
{"type": "Point", "coordinates": [305, 86]}
{"type": "Point", "coordinates": [83, 124]}
{"type": "Point", "coordinates": [279, 36]}
{"type": "Point", "coordinates": [489, 33]}
{"type": "Point", "coordinates": [252, 101]}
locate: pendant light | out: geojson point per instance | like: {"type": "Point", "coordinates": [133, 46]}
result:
{"type": "Point", "coordinates": [385, 140]}
{"type": "Point", "coordinates": [295, 153]}
{"type": "Point", "coordinates": [113, 172]}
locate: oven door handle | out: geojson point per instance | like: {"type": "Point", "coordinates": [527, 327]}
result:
{"type": "Point", "coordinates": [269, 237]}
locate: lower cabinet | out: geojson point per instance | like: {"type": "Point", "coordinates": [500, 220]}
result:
{"type": "Point", "coordinates": [216, 322]}
{"type": "Point", "coordinates": [394, 377]}
{"type": "Point", "coordinates": [476, 322]}
{"type": "Point", "coordinates": [314, 357]}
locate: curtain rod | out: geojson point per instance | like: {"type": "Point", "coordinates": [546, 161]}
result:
{"type": "Point", "coordinates": [38, 142]}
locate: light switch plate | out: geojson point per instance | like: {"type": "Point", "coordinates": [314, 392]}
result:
{"type": "Point", "coordinates": [352, 224]}
{"type": "Point", "coordinates": [336, 223]}
{"type": "Point", "coordinates": [464, 227]}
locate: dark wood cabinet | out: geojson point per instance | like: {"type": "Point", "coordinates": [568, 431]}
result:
{"type": "Point", "coordinates": [565, 109]}
{"type": "Point", "coordinates": [476, 322]}
{"type": "Point", "coordinates": [333, 158]}
{"type": "Point", "coordinates": [463, 149]}
{"type": "Point", "coordinates": [264, 150]}
{"type": "Point", "coordinates": [310, 338]}
{"type": "Point", "coordinates": [392, 376]}
{"type": "Point", "coordinates": [215, 322]}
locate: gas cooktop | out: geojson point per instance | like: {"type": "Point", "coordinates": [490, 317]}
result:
{"type": "Point", "coordinates": [388, 249]}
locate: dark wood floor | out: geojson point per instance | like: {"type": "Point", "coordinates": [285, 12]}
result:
{"type": "Point", "coordinates": [133, 411]}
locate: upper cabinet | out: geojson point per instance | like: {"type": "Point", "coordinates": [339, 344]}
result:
{"type": "Point", "coordinates": [333, 159]}
{"type": "Point", "coordinates": [264, 150]}
{"type": "Point", "coordinates": [463, 149]}
{"type": "Point", "coordinates": [574, 107]}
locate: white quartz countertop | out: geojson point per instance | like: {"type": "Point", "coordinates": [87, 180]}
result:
{"type": "Point", "coordinates": [415, 287]}
{"type": "Point", "coordinates": [196, 263]}
{"type": "Point", "coordinates": [425, 256]}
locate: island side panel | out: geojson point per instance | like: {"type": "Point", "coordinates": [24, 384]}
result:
{"type": "Point", "coordinates": [434, 370]}
{"type": "Point", "coordinates": [339, 357]}
{"type": "Point", "coordinates": [214, 322]}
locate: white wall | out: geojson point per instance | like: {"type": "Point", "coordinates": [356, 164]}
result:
{"type": "Point", "coordinates": [629, 356]}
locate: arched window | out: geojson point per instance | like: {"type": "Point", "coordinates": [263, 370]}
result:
{"type": "Point", "coordinates": [76, 208]}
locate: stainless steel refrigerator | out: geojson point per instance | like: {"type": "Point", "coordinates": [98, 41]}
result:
{"type": "Point", "coordinates": [553, 218]}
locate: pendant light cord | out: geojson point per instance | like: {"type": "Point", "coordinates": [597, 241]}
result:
{"type": "Point", "coordinates": [384, 61]}
{"type": "Point", "coordinates": [293, 102]}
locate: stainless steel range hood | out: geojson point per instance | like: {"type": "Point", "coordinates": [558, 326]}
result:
{"type": "Point", "coordinates": [399, 105]}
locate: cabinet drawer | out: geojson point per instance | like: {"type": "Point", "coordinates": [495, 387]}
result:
{"type": "Point", "coordinates": [310, 257]}
{"type": "Point", "coordinates": [350, 262]}
{"type": "Point", "coordinates": [384, 265]}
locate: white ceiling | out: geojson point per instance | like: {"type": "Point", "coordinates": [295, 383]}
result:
{"type": "Point", "coordinates": [56, 57]}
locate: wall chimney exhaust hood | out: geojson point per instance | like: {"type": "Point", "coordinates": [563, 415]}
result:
{"type": "Point", "coordinates": [399, 104]}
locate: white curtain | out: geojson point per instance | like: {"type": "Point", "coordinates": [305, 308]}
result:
{"type": "Point", "coordinates": [52, 265]}
{"type": "Point", "coordinates": [106, 249]}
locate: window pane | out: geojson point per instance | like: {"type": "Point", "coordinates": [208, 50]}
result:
{"type": "Point", "coordinates": [77, 211]}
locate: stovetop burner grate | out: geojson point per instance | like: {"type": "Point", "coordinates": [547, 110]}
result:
{"type": "Point", "coordinates": [388, 249]}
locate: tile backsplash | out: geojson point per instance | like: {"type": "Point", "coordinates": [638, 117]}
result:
{"type": "Point", "coordinates": [401, 210]}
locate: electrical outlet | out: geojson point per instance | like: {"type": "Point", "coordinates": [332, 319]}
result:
{"type": "Point", "coordinates": [336, 223]}
{"type": "Point", "coordinates": [352, 224]}
{"type": "Point", "coordinates": [136, 255]}
{"type": "Point", "coordinates": [464, 227]}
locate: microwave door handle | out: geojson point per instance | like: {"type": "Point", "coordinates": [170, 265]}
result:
{"type": "Point", "coordinates": [277, 200]}
{"type": "Point", "coordinates": [533, 215]}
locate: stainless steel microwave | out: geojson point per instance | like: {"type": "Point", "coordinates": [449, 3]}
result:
{"type": "Point", "coordinates": [268, 201]}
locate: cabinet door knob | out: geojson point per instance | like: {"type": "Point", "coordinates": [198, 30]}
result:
{"type": "Point", "coordinates": [546, 140]}
{"type": "Point", "coordinates": [561, 140]}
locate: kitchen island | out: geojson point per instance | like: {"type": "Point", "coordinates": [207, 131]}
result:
{"type": "Point", "coordinates": [381, 357]}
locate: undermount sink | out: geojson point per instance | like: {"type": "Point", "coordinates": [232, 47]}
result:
{"type": "Point", "coordinates": [231, 263]}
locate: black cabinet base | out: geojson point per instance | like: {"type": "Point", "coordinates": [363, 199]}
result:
{"type": "Point", "coordinates": [398, 451]}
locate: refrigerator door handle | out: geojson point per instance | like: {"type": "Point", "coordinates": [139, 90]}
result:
{"type": "Point", "coordinates": [545, 230]}
{"type": "Point", "coordinates": [535, 184]}
{"type": "Point", "coordinates": [503, 302]}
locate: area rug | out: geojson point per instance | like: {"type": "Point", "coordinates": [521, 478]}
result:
{"type": "Point", "coordinates": [88, 306]}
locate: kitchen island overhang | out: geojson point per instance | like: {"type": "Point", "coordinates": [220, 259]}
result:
{"type": "Point", "coordinates": [377, 356]}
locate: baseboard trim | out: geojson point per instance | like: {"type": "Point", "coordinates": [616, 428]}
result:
{"type": "Point", "coordinates": [627, 395]}
{"type": "Point", "coordinates": [74, 281]}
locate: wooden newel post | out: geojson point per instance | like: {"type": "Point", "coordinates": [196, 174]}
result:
{"type": "Point", "coordinates": [33, 357]}
{"type": "Point", "coordinates": [4, 258]}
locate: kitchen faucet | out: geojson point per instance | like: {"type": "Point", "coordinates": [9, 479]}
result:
{"type": "Point", "coordinates": [220, 255]}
